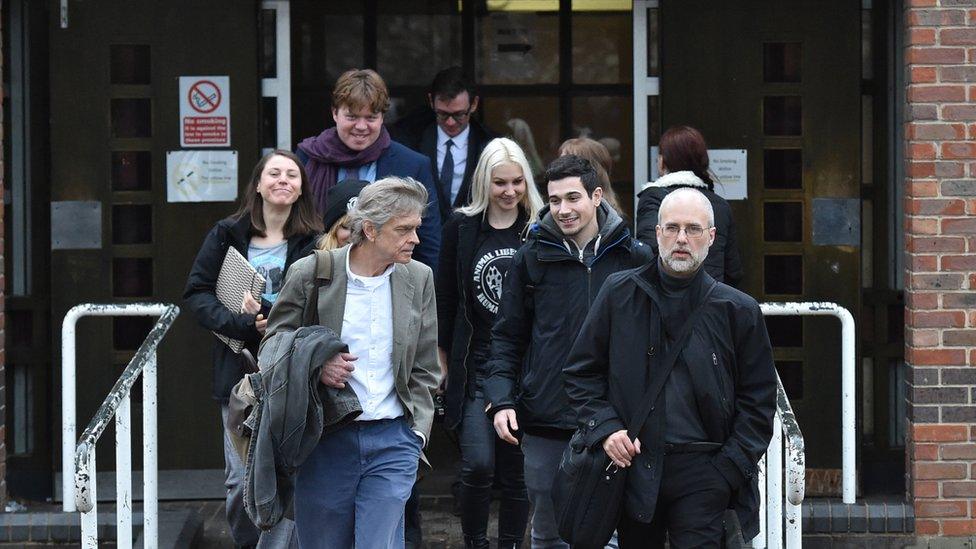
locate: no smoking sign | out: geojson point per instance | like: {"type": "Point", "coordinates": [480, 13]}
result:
{"type": "Point", "coordinates": [204, 111]}
{"type": "Point", "coordinates": [204, 96]}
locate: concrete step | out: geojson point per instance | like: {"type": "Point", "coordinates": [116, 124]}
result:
{"type": "Point", "coordinates": [46, 527]}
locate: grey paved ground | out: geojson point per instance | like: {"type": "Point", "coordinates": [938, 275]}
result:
{"type": "Point", "coordinates": [442, 530]}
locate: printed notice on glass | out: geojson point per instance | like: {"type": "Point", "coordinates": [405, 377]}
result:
{"type": "Point", "coordinates": [204, 111]}
{"type": "Point", "coordinates": [729, 167]}
{"type": "Point", "coordinates": [201, 176]}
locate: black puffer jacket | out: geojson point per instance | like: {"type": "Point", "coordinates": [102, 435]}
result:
{"type": "Point", "coordinates": [723, 262]}
{"type": "Point", "coordinates": [546, 295]}
{"type": "Point", "coordinates": [616, 359]}
{"type": "Point", "coordinates": [200, 298]}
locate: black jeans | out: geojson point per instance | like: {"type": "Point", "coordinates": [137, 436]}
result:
{"type": "Point", "coordinates": [690, 507]}
{"type": "Point", "coordinates": [487, 460]}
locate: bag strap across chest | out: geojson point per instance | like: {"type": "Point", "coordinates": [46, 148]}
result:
{"type": "Point", "coordinates": [654, 389]}
{"type": "Point", "coordinates": [323, 277]}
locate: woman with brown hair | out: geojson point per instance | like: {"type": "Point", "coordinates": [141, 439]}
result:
{"type": "Point", "coordinates": [683, 162]}
{"type": "Point", "coordinates": [275, 225]}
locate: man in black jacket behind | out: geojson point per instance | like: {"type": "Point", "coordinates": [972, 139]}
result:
{"type": "Point", "coordinates": [696, 454]}
{"type": "Point", "coordinates": [552, 280]}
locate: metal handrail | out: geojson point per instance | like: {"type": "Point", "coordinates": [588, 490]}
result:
{"type": "Point", "coordinates": [847, 387]}
{"type": "Point", "coordinates": [771, 506]}
{"type": "Point", "coordinates": [111, 404]}
{"type": "Point", "coordinates": [79, 470]}
{"type": "Point", "coordinates": [796, 485]}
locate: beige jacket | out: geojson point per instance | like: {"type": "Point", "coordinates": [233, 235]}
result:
{"type": "Point", "coordinates": [416, 371]}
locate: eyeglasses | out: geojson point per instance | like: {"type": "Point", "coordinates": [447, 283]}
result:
{"type": "Point", "coordinates": [691, 231]}
{"type": "Point", "coordinates": [458, 117]}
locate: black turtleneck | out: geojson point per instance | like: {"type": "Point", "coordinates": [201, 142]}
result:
{"type": "Point", "coordinates": [684, 423]}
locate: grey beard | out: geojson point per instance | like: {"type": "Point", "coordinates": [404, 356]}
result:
{"type": "Point", "coordinates": [685, 265]}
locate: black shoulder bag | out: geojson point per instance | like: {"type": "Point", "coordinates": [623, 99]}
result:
{"type": "Point", "coordinates": [588, 490]}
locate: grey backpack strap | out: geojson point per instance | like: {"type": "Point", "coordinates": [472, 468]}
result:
{"type": "Point", "coordinates": [323, 276]}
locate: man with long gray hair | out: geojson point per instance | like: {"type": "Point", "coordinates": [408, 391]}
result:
{"type": "Point", "coordinates": [352, 489]}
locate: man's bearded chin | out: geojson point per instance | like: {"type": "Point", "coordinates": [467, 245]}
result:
{"type": "Point", "coordinates": [690, 265]}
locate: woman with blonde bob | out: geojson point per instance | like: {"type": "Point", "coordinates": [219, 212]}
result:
{"type": "Point", "coordinates": [477, 245]}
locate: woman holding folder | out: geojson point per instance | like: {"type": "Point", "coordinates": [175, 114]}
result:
{"type": "Point", "coordinates": [274, 226]}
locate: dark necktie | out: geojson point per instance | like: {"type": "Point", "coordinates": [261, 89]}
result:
{"type": "Point", "coordinates": [447, 170]}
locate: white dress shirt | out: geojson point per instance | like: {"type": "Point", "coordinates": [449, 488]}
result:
{"type": "Point", "coordinates": [459, 152]}
{"type": "Point", "coordinates": [367, 328]}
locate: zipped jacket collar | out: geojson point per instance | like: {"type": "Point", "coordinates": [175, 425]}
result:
{"type": "Point", "coordinates": [556, 246]}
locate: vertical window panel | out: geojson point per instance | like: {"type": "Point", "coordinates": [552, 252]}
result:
{"type": "Point", "coordinates": [131, 117]}
{"type": "Point", "coordinates": [132, 277]}
{"type": "Point", "coordinates": [131, 170]}
{"type": "Point", "coordinates": [517, 48]}
{"type": "Point", "coordinates": [132, 224]}
{"type": "Point", "coordinates": [782, 62]}
{"type": "Point", "coordinates": [22, 410]}
{"type": "Point", "coordinates": [603, 47]}
{"type": "Point", "coordinates": [415, 39]}
{"type": "Point", "coordinates": [609, 120]}
{"type": "Point", "coordinates": [783, 221]}
{"type": "Point", "coordinates": [320, 53]}
{"type": "Point", "coordinates": [653, 43]}
{"type": "Point", "coordinates": [269, 122]}
{"type": "Point", "coordinates": [129, 64]}
{"type": "Point", "coordinates": [532, 122]}
{"type": "Point", "coordinates": [782, 115]}
{"type": "Point", "coordinates": [785, 331]}
{"type": "Point", "coordinates": [867, 140]}
{"type": "Point", "coordinates": [783, 274]}
{"type": "Point", "coordinates": [783, 168]}
{"type": "Point", "coordinates": [268, 44]}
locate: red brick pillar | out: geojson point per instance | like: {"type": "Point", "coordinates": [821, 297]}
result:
{"type": "Point", "coordinates": [940, 282]}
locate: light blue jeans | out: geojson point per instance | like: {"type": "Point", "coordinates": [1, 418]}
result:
{"type": "Point", "coordinates": [352, 490]}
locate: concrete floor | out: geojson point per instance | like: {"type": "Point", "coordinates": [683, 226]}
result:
{"type": "Point", "coordinates": [442, 530]}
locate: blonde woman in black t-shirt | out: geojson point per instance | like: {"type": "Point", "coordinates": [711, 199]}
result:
{"type": "Point", "coordinates": [477, 245]}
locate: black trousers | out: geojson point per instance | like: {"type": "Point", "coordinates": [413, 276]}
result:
{"type": "Point", "coordinates": [690, 507]}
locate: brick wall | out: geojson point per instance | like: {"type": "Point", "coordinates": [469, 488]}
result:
{"type": "Point", "coordinates": [940, 284]}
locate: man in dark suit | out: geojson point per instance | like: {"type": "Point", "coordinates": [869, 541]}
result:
{"type": "Point", "coordinates": [451, 139]}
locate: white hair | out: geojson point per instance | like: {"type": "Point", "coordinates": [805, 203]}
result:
{"type": "Point", "coordinates": [384, 200]}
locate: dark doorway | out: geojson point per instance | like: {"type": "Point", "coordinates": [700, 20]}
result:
{"type": "Point", "coordinates": [114, 112]}
{"type": "Point", "coordinates": [783, 81]}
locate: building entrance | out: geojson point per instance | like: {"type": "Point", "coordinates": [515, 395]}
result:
{"type": "Point", "coordinates": [783, 82]}
{"type": "Point", "coordinates": [116, 234]}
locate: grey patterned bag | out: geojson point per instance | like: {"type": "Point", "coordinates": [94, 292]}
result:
{"type": "Point", "coordinates": [236, 277]}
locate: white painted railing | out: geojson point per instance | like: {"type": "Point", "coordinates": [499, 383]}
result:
{"type": "Point", "coordinates": [775, 515]}
{"type": "Point", "coordinates": [847, 359]}
{"type": "Point", "coordinates": [78, 462]}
